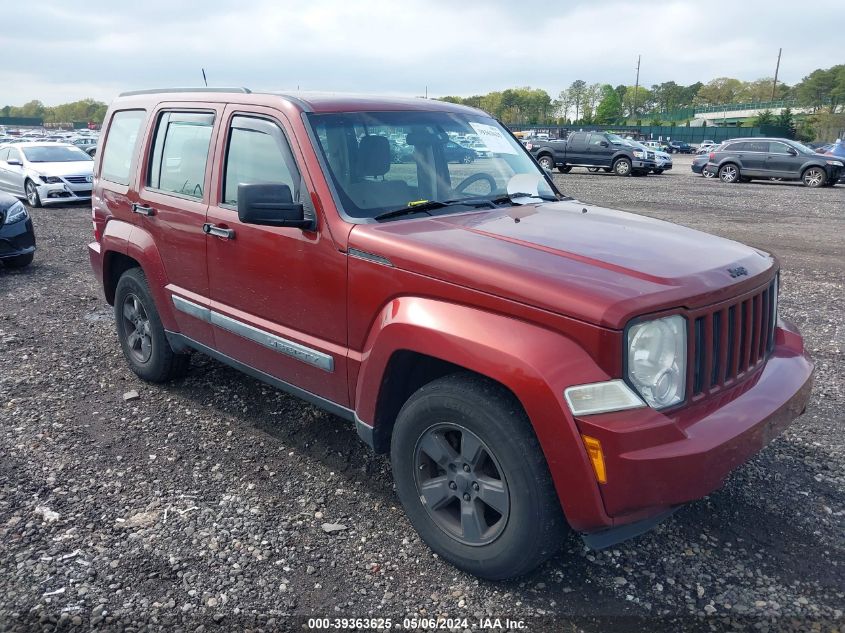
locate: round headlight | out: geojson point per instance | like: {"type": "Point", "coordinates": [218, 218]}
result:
{"type": "Point", "coordinates": [657, 360]}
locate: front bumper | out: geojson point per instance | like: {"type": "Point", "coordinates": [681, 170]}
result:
{"type": "Point", "coordinates": [656, 460]}
{"type": "Point", "coordinates": [64, 192]}
{"type": "Point", "coordinates": [17, 239]}
{"type": "Point", "coordinates": [643, 164]}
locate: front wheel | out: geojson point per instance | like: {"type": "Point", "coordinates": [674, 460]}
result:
{"type": "Point", "coordinates": [467, 159]}
{"type": "Point", "coordinates": [32, 194]}
{"type": "Point", "coordinates": [546, 162]}
{"type": "Point", "coordinates": [814, 177]}
{"type": "Point", "coordinates": [472, 478]}
{"type": "Point", "coordinates": [622, 167]}
{"type": "Point", "coordinates": [141, 332]}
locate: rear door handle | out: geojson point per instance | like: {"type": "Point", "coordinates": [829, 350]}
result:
{"type": "Point", "coordinates": [140, 209]}
{"type": "Point", "coordinates": [218, 231]}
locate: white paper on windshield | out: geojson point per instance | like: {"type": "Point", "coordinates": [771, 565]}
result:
{"type": "Point", "coordinates": [492, 138]}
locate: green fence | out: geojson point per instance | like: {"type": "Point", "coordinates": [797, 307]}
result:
{"type": "Point", "coordinates": [665, 132]}
{"type": "Point", "coordinates": [23, 121]}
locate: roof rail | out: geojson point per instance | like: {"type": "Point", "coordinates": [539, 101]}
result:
{"type": "Point", "coordinates": [153, 91]}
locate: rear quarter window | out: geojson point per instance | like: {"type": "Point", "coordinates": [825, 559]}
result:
{"type": "Point", "coordinates": [121, 142]}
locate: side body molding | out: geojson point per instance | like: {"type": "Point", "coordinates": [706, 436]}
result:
{"type": "Point", "coordinates": [535, 363]}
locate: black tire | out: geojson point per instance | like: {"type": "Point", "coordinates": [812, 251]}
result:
{"type": "Point", "coordinates": [729, 173]}
{"type": "Point", "coordinates": [622, 167]}
{"type": "Point", "coordinates": [657, 172]}
{"type": "Point", "coordinates": [546, 161]}
{"type": "Point", "coordinates": [154, 360]}
{"type": "Point", "coordinates": [814, 177]}
{"type": "Point", "coordinates": [20, 261]}
{"type": "Point", "coordinates": [32, 195]}
{"type": "Point", "coordinates": [565, 169]}
{"type": "Point", "coordinates": [532, 526]}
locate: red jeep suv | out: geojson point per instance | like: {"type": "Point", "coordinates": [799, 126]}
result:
{"type": "Point", "coordinates": [528, 360]}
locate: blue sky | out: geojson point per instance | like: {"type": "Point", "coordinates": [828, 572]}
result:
{"type": "Point", "coordinates": [100, 47]}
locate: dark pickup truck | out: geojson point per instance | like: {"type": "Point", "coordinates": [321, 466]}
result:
{"type": "Point", "coordinates": [593, 150]}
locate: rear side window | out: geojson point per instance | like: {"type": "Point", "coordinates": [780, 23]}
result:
{"type": "Point", "coordinates": [180, 153]}
{"type": "Point", "coordinates": [778, 148]}
{"type": "Point", "coordinates": [120, 145]}
{"type": "Point", "coordinates": [258, 153]}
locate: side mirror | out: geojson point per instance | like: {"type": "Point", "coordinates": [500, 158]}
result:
{"type": "Point", "coordinates": [604, 144]}
{"type": "Point", "coordinates": [270, 205]}
{"type": "Point", "coordinates": [14, 162]}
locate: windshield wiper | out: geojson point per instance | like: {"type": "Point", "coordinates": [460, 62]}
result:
{"type": "Point", "coordinates": [533, 195]}
{"type": "Point", "coordinates": [430, 205]}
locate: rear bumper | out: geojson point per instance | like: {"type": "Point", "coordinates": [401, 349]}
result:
{"type": "Point", "coordinates": [656, 461]}
{"type": "Point", "coordinates": [96, 259]}
{"type": "Point", "coordinates": [17, 239]}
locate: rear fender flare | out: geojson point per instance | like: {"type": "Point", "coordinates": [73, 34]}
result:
{"type": "Point", "coordinates": [137, 243]}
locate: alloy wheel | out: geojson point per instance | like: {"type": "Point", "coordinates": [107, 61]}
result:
{"type": "Point", "coordinates": [728, 173]}
{"type": "Point", "coordinates": [136, 325]}
{"type": "Point", "coordinates": [461, 484]}
{"type": "Point", "coordinates": [546, 162]}
{"type": "Point", "coordinates": [814, 177]}
{"type": "Point", "coordinates": [31, 193]}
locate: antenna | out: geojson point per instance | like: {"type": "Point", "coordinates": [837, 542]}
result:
{"type": "Point", "coordinates": [204, 78]}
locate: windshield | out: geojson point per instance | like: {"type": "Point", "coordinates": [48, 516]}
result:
{"type": "Point", "coordinates": [801, 147]}
{"type": "Point", "coordinates": [55, 154]}
{"type": "Point", "coordinates": [385, 161]}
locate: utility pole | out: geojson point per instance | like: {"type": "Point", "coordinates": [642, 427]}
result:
{"type": "Point", "coordinates": [426, 92]}
{"type": "Point", "coordinates": [777, 68]}
{"type": "Point", "coordinates": [204, 80]}
{"type": "Point", "coordinates": [636, 90]}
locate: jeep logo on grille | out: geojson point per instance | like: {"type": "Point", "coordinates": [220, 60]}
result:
{"type": "Point", "coordinates": [737, 271]}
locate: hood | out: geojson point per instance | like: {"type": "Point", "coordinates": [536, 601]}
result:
{"type": "Point", "coordinates": [594, 264]}
{"type": "Point", "coordinates": [75, 168]}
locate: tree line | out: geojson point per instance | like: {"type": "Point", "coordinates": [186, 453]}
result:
{"type": "Point", "coordinates": [823, 90]}
{"type": "Point", "coordinates": [85, 110]}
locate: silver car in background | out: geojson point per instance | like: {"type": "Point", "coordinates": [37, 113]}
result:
{"type": "Point", "coordinates": [46, 173]}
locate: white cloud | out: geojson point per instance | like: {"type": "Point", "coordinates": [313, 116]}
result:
{"type": "Point", "coordinates": [401, 47]}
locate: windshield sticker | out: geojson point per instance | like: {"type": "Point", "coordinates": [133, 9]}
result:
{"type": "Point", "coordinates": [492, 138]}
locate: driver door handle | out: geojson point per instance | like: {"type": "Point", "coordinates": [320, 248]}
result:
{"type": "Point", "coordinates": [140, 209]}
{"type": "Point", "coordinates": [218, 231]}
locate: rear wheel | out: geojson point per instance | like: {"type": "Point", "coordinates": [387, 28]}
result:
{"type": "Point", "coordinates": [657, 172]}
{"type": "Point", "coordinates": [32, 194]}
{"type": "Point", "coordinates": [546, 162]}
{"type": "Point", "coordinates": [141, 332]}
{"type": "Point", "coordinates": [565, 169]}
{"type": "Point", "coordinates": [472, 478]}
{"type": "Point", "coordinates": [622, 167]}
{"type": "Point", "coordinates": [20, 261]}
{"type": "Point", "coordinates": [729, 173]}
{"type": "Point", "coordinates": [814, 177]}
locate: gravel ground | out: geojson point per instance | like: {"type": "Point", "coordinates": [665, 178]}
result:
{"type": "Point", "coordinates": [218, 503]}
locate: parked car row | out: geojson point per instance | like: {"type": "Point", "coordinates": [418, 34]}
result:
{"type": "Point", "coordinates": [594, 150]}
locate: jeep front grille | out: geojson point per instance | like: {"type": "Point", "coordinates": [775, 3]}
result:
{"type": "Point", "coordinates": [732, 340]}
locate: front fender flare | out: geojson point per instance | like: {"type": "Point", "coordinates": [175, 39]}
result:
{"type": "Point", "coordinates": [535, 363]}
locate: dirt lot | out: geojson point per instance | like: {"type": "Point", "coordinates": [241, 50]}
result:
{"type": "Point", "coordinates": [200, 504]}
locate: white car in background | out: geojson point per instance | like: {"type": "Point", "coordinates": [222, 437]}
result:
{"type": "Point", "coordinates": [46, 173]}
